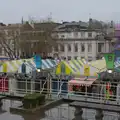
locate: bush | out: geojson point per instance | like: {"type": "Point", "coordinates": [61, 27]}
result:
{"type": "Point", "coordinates": [33, 100]}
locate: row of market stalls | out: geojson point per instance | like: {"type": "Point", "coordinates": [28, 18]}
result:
{"type": "Point", "coordinates": [66, 73]}
{"type": "Point", "coordinates": [15, 65]}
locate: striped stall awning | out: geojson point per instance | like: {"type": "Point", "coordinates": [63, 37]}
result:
{"type": "Point", "coordinates": [100, 65]}
{"type": "Point", "coordinates": [82, 82]}
{"type": "Point", "coordinates": [48, 63]}
{"type": "Point", "coordinates": [76, 65]}
{"type": "Point", "coordinates": [13, 65]}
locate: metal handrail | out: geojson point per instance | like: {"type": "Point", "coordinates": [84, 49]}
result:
{"type": "Point", "coordinates": [45, 83]}
{"type": "Point", "coordinates": [43, 87]}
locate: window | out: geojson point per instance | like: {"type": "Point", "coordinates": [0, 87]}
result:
{"type": "Point", "coordinates": [89, 48]}
{"type": "Point", "coordinates": [82, 34]}
{"type": "Point", "coordinates": [61, 48]}
{"type": "Point", "coordinates": [69, 57]}
{"type": "Point", "coordinates": [62, 57]}
{"type": "Point", "coordinates": [75, 34]}
{"type": "Point", "coordinates": [89, 58]}
{"type": "Point", "coordinates": [56, 48]}
{"type": "Point", "coordinates": [62, 36]}
{"type": "Point", "coordinates": [76, 47]}
{"type": "Point", "coordinates": [100, 47]}
{"type": "Point", "coordinates": [82, 48]}
{"type": "Point", "coordinates": [76, 57]}
{"type": "Point", "coordinates": [89, 34]}
{"type": "Point", "coordinates": [69, 47]}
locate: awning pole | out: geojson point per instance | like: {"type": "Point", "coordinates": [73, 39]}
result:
{"type": "Point", "coordinates": [86, 92]}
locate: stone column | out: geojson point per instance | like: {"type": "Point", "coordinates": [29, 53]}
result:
{"type": "Point", "coordinates": [79, 50]}
{"type": "Point", "coordinates": [107, 47]}
{"type": "Point", "coordinates": [99, 115]}
{"type": "Point", "coordinates": [66, 51]}
{"type": "Point", "coordinates": [94, 50]}
{"type": "Point", "coordinates": [72, 50]}
{"type": "Point", "coordinates": [78, 113]}
{"type": "Point", "coordinates": [86, 51]}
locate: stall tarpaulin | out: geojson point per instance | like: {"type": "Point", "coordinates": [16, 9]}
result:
{"type": "Point", "coordinates": [13, 65]}
{"type": "Point", "coordinates": [81, 82]}
{"type": "Point", "coordinates": [48, 64]}
{"type": "Point", "coordinates": [117, 55]}
{"type": "Point", "coordinates": [38, 61]}
{"type": "Point", "coordinates": [88, 70]}
{"type": "Point", "coordinates": [76, 65]}
{"type": "Point", "coordinates": [99, 65]}
{"type": "Point", "coordinates": [69, 67]}
{"type": "Point", "coordinates": [63, 68]}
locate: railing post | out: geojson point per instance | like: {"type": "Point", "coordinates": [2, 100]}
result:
{"type": "Point", "coordinates": [26, 86]}
{"type": "Point", "coordinates": [50, 86]}
{"type": "Point", "coordinates": [10, 85]}
{"type": "Point", "coordinates": [78, 113]}
{"type": "Point", "coordinates": [118, 116]}
{"type": "Point", "coordinates": [31, 86]}
{"type": "Point", "coordinates": [86, 92]}
{"type": "Point", "coordinates": [99, 115]}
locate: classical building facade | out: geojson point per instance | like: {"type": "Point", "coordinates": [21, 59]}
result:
{"type": "Point", "coordinates": [77, 39]}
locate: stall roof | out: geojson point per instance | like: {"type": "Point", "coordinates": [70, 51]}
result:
{"type": "Point", "coordinates": [70, 67]}
{"type": "Point", "coordinates": [82, 81]}
{"type": "Point", "coordinates": [48, 63]}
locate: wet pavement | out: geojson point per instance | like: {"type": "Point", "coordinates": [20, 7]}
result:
{"type": "Point", "coordinates": [62, 112]}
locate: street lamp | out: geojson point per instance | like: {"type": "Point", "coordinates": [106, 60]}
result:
{"type": "Point", "coordinates": [38, 70]}
{"type": "Point", "coordinates": [109, 71]}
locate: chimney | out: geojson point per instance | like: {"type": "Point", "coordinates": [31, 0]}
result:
{"type": "Point", "coordinates": [111, 24]}
{"type": "Point", "coordinates": [90, 22]}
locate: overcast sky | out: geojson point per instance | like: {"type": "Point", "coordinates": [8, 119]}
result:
{"type": "Point", "coordinates": [12, 10]}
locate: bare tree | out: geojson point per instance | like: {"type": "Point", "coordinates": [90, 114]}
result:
{"type": "Point", "coordinates": [39, 39]}
{"type": "Point", "coordinates": [8, 43]}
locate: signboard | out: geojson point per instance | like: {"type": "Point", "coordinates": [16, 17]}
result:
{"type": "Point", "coordinates": [38, 61]}
{"type": "Point", "coordinates": [86, 70]}
{"type": "Point", "coordinates": [117, 55]}
{"type": "Point", "coordinates": [109, 58]}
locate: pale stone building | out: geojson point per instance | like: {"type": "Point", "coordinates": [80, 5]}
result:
{"type": "Point", "coordinates": [77, 39]}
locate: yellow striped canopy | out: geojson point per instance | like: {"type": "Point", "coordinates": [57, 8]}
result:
{"type": "Point", "coordinates": [70, 67]}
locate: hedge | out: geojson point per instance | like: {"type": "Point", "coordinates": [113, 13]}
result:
{"type": "Point", "coordinates": [33, 100]}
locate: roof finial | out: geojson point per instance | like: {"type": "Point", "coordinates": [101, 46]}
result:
{"type": "Point", "coordinates": [22, 21]}
{"type": "Point", "coordinates": [89, 15]}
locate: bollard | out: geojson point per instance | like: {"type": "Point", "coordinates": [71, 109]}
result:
{"type": "Point", "coordinates": [99, 115]}
{"type": "Point", "coordinates": [78, 113]}
{"type": "Point", "coordinates": [1, 103]}
{"type": "Point", "coordinates": [118, 116]}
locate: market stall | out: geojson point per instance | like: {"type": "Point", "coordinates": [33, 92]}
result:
{"type": "Point", "coordinates": [80, 84]}
{"type": "Point", "coordinates": [65, 71]}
